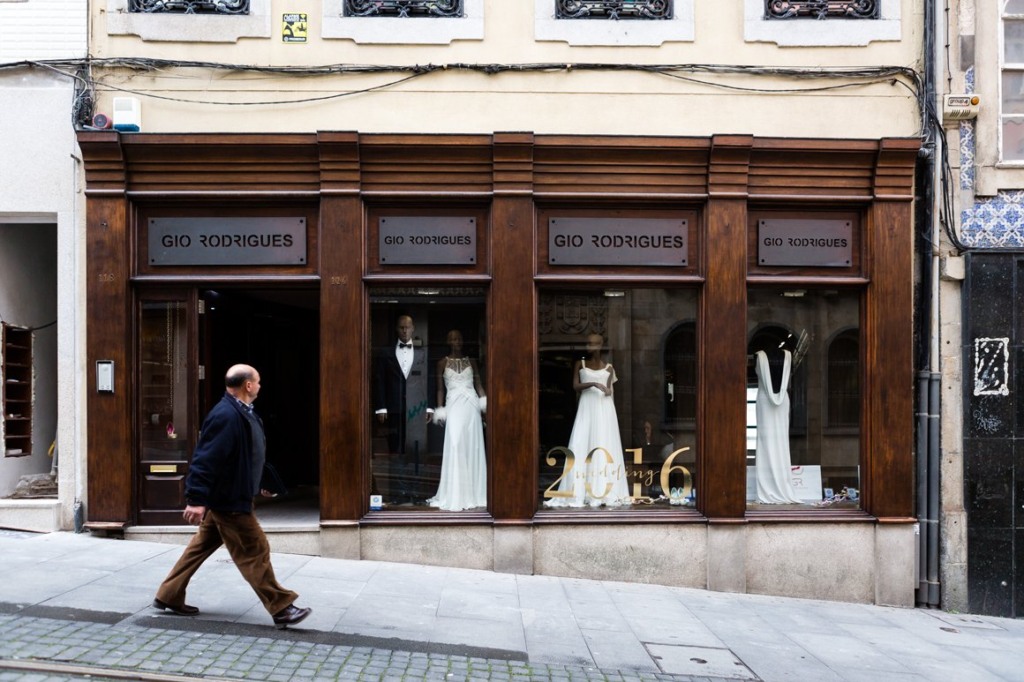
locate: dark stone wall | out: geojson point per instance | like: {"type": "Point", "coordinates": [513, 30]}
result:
{"type": "Point", "coordinates": [994, 432]}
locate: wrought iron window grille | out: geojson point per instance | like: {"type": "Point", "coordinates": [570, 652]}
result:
{"type": "Point", "coordinates": [189, 6]}
{"type": "Point", "coordinates": [403, 9]}
{"type": "Point", "coordinates": [821, 9]}
{"type": "Point", "coordinates": [613, 9]}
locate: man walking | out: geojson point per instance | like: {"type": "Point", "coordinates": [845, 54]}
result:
{"type": "Point", "coordinates": [223, 479]}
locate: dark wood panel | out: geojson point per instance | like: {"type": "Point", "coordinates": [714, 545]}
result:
{"type": "Point", "coordinates": [512, 384]}
{"type": "Point", "coordinates": [344, 391]}
{"type": "Point", "coordinates": [722, 379]}
{"type": "Point", "coordinates": [723, 365]}
{"type": "Point", "coordinates": [222, 163]}
{"type": "Point", "coordinates": [108, 337]}
{"type": "Point", "coordinates": [103, 161]}
{"type": "Point", "coordinates": [889, 375]}
{"type": "Point", "coordinates": [630, 165]}
{"type": "Point", "coordinates": [420, 163]}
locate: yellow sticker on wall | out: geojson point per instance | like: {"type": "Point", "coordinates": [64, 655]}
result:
{"type": "Point", "coordinates": [294, 28]}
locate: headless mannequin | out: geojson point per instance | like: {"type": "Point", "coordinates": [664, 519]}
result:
{"type": "Point", "coordinates": [776, 360]}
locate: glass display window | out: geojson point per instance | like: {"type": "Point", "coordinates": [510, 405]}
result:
{"type": "Point", "coordinates": [803, 399]}
{"type": "Point", "coordinates": [618, 399]}
{"type": "Point", "coordinates": [428, 399]}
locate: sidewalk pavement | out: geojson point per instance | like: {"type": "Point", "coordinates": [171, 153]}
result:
{"type": "Point", "coordinates": [68, 601]}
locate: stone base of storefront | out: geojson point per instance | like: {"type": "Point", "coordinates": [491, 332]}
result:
{"type": "Point", "coordinates": [846, 562]}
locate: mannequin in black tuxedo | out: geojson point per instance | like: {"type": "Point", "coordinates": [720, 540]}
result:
{"type": "Point", "coordinates": [400, 405]}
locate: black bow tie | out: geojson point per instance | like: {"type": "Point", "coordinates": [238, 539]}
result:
{"type": "Point", "coordinates": [404, 345]}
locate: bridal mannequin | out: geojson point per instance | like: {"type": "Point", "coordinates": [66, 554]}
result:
{"type": "Point", "coordinates": [773, 462]}
{"type": "Point", "coordinates": [460, 400]}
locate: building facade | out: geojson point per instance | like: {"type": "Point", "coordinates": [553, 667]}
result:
{"type": "Point", "coordinates": [677, 267]}
{"type": "Point", "coordinates": [42, 251]}
{"type": "Point", "coordinates": [982, 447]}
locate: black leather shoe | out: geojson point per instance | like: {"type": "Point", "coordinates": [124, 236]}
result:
{"type": "Point", "coordinates": [183, 610]}
{"type": "Point", "coordinates": [290, 615]}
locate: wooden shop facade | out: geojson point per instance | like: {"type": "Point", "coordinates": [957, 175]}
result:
{"type": "Point", "coordinates": [678, 261]}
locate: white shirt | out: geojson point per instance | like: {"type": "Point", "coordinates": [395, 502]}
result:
{"type": "Point", "coordinates": [404, 355]}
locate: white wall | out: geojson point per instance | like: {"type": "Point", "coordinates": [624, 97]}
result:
{"type": "Point", "coordinates": [40, 180]}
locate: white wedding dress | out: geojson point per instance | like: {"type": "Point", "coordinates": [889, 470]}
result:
{"type": "Point", "coordinates": [603, 480]}
{"type": "Point", "coordinates": [463, 464]}
{"type": "Point", "coordinates": [773, 462]}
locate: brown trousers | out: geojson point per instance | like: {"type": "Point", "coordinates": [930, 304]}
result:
{"type": "Point", "coordinates": [249, 549]}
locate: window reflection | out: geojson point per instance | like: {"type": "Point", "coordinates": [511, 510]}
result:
{"type": "Point", "coordinates": [617, 399]}
{"type": "Point", "coordinates": [163, 398]}
{"type": "Point", "coordinates": [802, 383]}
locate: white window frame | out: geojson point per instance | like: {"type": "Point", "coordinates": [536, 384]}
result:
{"type": "Point", "coordinates": [404, 31]}
{"type": "Point", "coordinates": [836, 32]}
{"type": "Point", "coordinates": [613, 33]}
{"type": "Point", "coordinates": [192, 28]}
{"type": "Point", "coordinates": [1003, 68]}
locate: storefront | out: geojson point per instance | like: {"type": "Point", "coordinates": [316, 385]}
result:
{"type": "Point", "coordinates": [637, 289]}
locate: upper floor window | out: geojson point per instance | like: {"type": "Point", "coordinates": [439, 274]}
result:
{"type": "Point", "coordinates": [403, 8]}
{"type": "Point", "coordinates": [800, 23]}
{"type": "Point", "coordinates": [190, 6]}
{"type": "Point", "coordinates": [1011, 124]}
{"type": "Point", "coordinates": [613, 9]}
{"type": "Point", "coordinates": [821, 9]}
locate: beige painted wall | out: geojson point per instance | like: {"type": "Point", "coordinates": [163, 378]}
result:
{"type": "Point", "coordinates": [550, 102]}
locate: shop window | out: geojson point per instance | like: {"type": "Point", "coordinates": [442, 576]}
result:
{"type": "Point", "coordinates": [795, 458]}
{"type": "Point", "coordinates": [1012, 82]}
{"type": "Point", "coordinates": [844, 380]}
{"type": "Point", "coordinates": [617, 403]}
{"type": "Point", "coordinates": [429, 449]}
{"type": "Point", "coordinates": [17, 393]}
{"type": "Point", "coordinates": [680, 355]}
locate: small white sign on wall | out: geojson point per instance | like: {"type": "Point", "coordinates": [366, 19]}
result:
{"type": "Point", "coordinates": [806, 481]}
{"type": "Point", "coordinates": [992, 366]}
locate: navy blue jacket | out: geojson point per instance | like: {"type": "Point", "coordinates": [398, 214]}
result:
{"type": "Point", "coordinates": [220, 476]}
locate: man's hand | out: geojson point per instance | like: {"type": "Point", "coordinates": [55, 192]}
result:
{"type": "Point", "coordinates": [194, 514]}
{"type": "Point", "coordinates": [266, 493]}
{"type": "Point", "coordinates": [382, 417]}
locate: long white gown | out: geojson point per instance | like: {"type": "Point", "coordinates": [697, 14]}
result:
{"type": "Point", "coordinates": [463, 463]}
{"type": "Point", "coordinates": [773, 461]}
{"type": "Point", "coordinates": [603, 480]}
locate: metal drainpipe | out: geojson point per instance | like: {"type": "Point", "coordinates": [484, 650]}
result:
{"type": "Point", "coordinates": [932, 594]}
{"type": "Point", "coordinates": [929, 380]}
{"type": "Point", "coordinates": [934, 402]}
{"type": "Point", "coordinates": [921, 470]}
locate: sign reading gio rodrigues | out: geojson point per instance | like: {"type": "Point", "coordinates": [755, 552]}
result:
{"type": "Point", "coordinates": [617, 241]}
{"type": "Point", "coordinates": [823, 243]}
{"type": "Point", "coordinates": [427, 240]}
{"type": "Point", "coordinates": [227, 241]}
